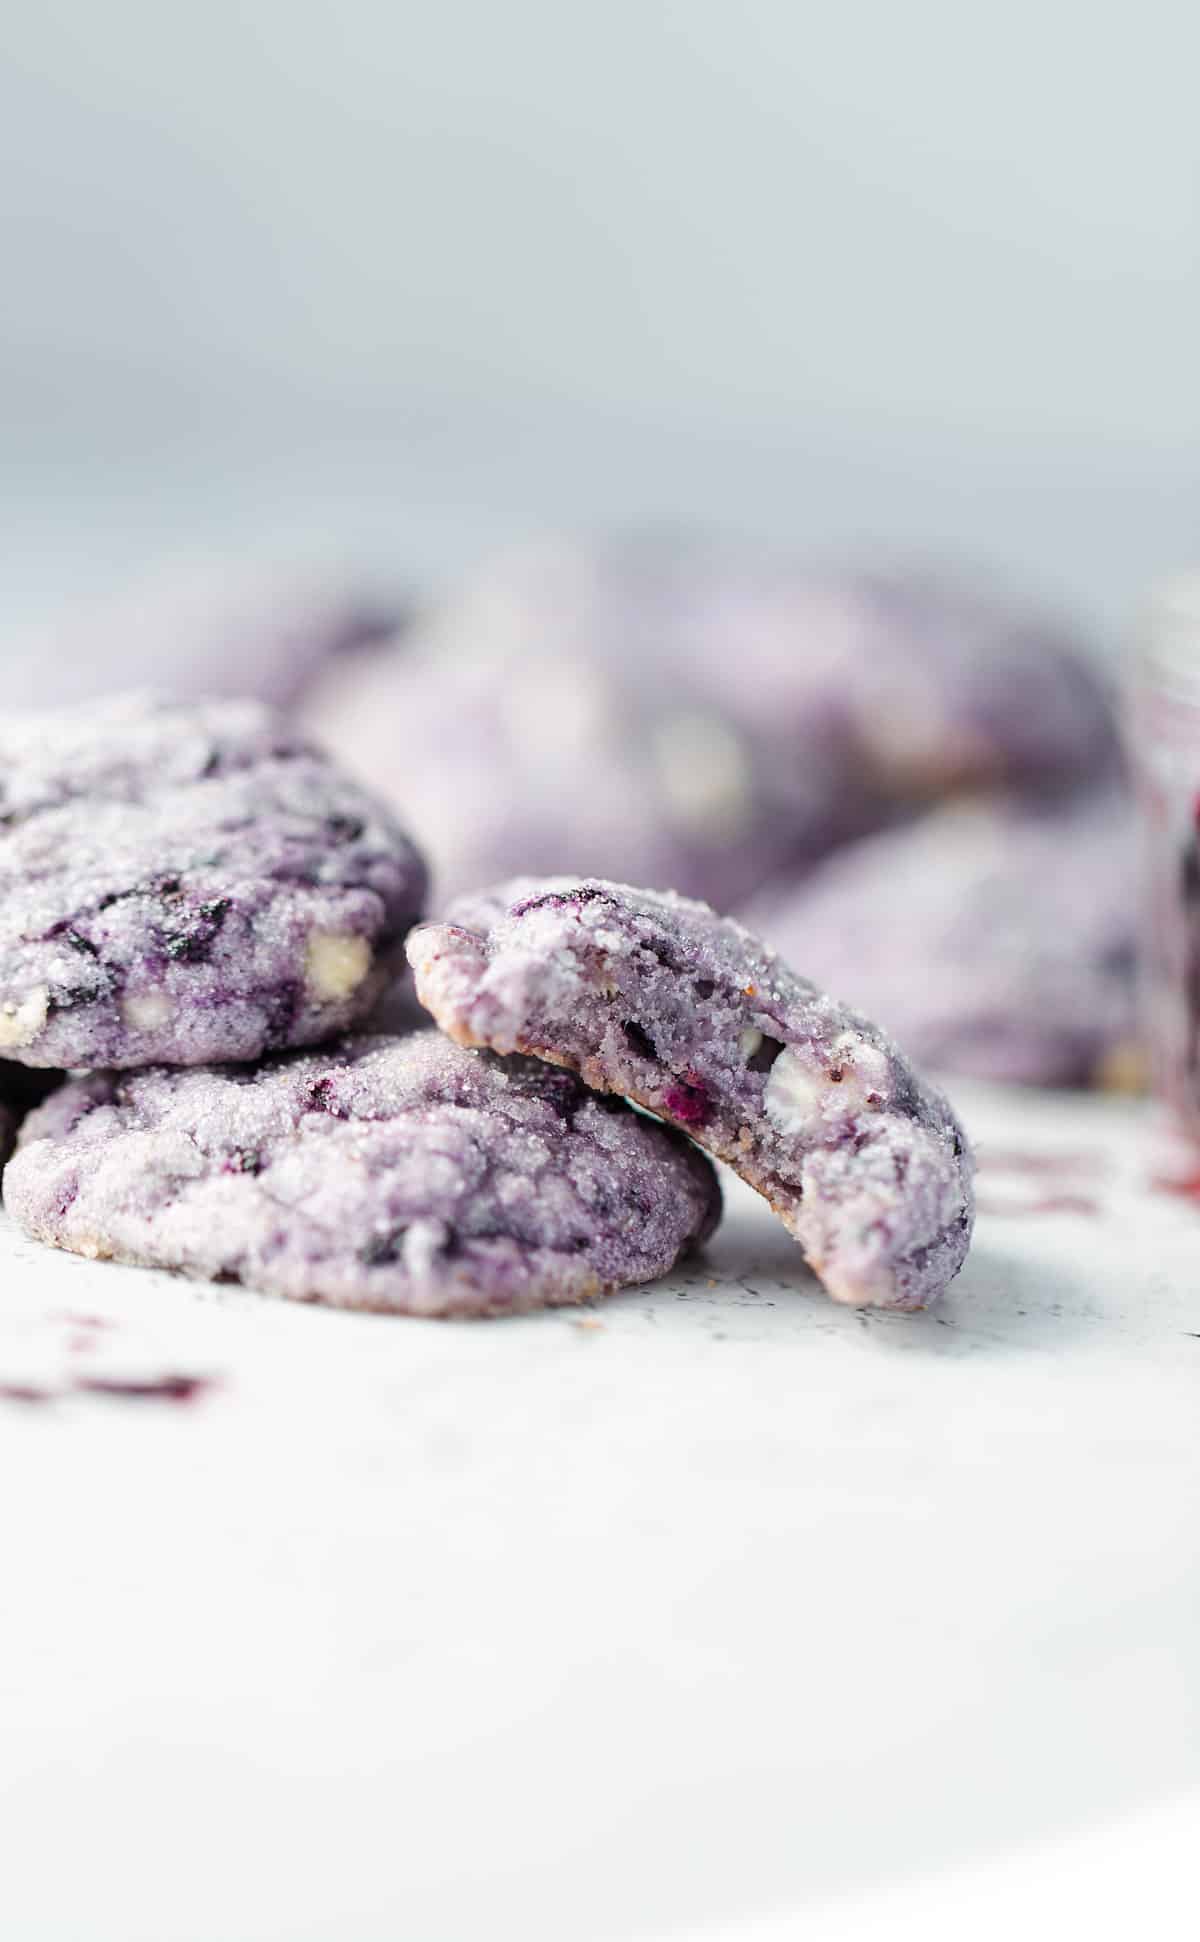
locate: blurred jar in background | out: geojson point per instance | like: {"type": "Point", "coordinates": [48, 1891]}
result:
{"type": "Point", "coordinates": [1164, 735]}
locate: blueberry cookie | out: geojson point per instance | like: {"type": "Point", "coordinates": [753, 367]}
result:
{"type": "Point", "coordinates": [925, 684]}
{"type": "Point", "coordinates": [397, 1174]}
{"type": "Point", "coordinates": [995, 941]}
{"type": "Point", "coordinates": [545, 728]}
{"type": "Point", "coordinates": [186, 884]}
{"type": "Point", "coordinates": [196, 631]}
{"type": "Point", "coordinates": [702, 716]}
{"type": "Point", "coordinates": [658, 999]}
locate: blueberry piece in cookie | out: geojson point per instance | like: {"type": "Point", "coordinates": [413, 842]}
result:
{"type": "Point", "coordinates": [400, 1174]}
{"type": "Point", "coordinates": [656, 998]}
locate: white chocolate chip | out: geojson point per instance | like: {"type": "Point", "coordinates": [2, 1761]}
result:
{"type": "Point", "coordinates": [335, 964]}
{"type": "Point", "coordinates": [852, 1077]}
{"type": "Point", "coordinates": [146, 1011]}
{"type": "Point", "coordinates": [19, 1023]}
{"type": "Point", "coordinates": [749, 1041]}
{"type": "Point", "coordinates": [794, 1090]}
{"type": "Point", "coordinates": [864, 1070]}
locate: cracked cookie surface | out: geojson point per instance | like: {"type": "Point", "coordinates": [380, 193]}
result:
{"type": "Point", "coordinates": [400, 1174]}
{"type": "Point", "coordinates": [654, 997]}
{"type": "Point", "coordinates": [187, 883]}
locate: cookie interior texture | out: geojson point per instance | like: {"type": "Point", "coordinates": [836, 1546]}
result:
{"type": "Point", "coordinates": [398, 1174]}
{"type": "Point", "coordinates": [656, 998]}
{"type": "Point", "coordinates": [187, 883]}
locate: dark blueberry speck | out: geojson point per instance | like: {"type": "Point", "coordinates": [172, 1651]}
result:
{"type": "Point", "coordinates": [640, 1041]}
{"type": "Point", "coordinates": [344, 829]}
{"type": "Point", "coordinates": [766, 1055]}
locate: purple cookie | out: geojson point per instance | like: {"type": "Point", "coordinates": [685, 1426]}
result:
{"type": "Point", "coordinates": [186, 884]}
{"type": "Point", "coordinates": [658, 999]}
{"type": "Point", "coordinates": [995, 941]}
{"type": "Point", "coordinates": [924, 684]}
{"type": "Point", "coordinates": [556, 740]}
{"type": "Point", "coordinates": [701, 716]}
{"type": "Point", "coordinates": [396, 1174]}
{"type": "Point", "coordinates": [196, 631]}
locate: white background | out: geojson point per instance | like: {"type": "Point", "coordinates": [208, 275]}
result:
{"type": "Point", "coordinates": [713, 1604]}
{"type": "Point", "coordinates": [397, 279]}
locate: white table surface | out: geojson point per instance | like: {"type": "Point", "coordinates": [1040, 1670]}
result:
{"type": "Point", "coordinates": [710, 1607]}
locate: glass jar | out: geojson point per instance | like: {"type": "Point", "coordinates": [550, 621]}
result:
{"type": "Point", "coordinates": [1164, 722]}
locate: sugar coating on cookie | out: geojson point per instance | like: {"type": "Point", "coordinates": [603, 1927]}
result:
{"type": "Point", "coordinates": [656, 998]}
{"type": "Point", "coordinates": [996, 941]}
{"type": "Point", "coordinates": [187, 883]}
{"type": "Point", "coordinates": [400, 1174]}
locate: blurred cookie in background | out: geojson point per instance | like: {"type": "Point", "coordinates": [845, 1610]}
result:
{"type": "Point", "coordinates": [929, 683]}
{"type": "Point", "coordinates": [996, 940]}
{"type": "Point", "coordinates": [196, 629]}
{"type": "Point", "coordinates": [701, 716]}
{"type": "Point", "coordinates": [544, 722]}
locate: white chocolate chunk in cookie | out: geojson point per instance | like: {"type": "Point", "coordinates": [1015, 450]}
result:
{"type": "Point", "coordinates": [146, 1011]}
{"type": "Point", "coordinates": [335, 964]}
{"type": "Point", "coordinates": [794, 1090]}
{"type": "Point", "coordinates": [21, 1021]}
{"type": "Point", "coordinates": [860, 1071]}
{"type": "Point", "coordinates": [851, 1076]}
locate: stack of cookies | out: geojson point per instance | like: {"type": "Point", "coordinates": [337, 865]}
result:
{"type": "Point", "coordinates": [199, 915]}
